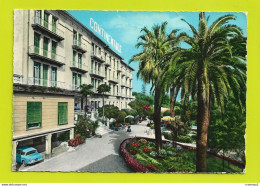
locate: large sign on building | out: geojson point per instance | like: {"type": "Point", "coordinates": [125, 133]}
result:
{"type": "Point", "coordinates": [98, 29]}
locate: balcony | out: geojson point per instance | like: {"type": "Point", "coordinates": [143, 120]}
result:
{"type": "Point", "coordinates": [113, 80]}
{"type": "Point", "coordinates": [96, 73]}
{"type": "Point", "coordinates": [97, 58]}
{"type": "Point", "coordinates": [107, 63]}
{"type": "Point", "coordinates": [46, 56]}
{"type": "Point", "coordinates": [78, 46]}
{"type": "Point", "coordinates": [78, 67]}
{"type": "Point", "coordinates": [47, 28]}
{"type": "Point", "coordinates": [45, 82]}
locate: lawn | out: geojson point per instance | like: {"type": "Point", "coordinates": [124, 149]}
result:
{"type": "Point", "coordinates": [172, 159]}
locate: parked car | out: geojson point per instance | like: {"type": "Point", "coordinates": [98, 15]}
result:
{"type": "Point", "coordinates": [28, 155]}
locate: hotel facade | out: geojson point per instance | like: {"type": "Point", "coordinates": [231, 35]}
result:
{"type": "Point", "coordinates": [53, 55]}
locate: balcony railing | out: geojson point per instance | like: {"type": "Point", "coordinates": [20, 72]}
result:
{"type": "Point", "coordinates": [79, 45]}
{"type": "Point", "coordinates": [97, 57]}
{"type": "Point", "coordinates": [113, 80]}
{"type": "Point", "coordinates": [79, 67]}
{"type": "Point", "coordinates": [45, 82]}
{"type": "Point", "coordinates": [50, 29]}
{"type": "Point", "coordinates": [45, 55]}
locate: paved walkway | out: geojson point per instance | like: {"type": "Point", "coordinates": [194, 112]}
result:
{"type": "Point", "coordinates": [95, 155]}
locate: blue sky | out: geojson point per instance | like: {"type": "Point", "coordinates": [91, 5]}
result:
{"type": "Point", "coordinates": [125, 26]}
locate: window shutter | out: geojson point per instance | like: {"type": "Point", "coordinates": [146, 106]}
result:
{"type": "Point", "coordinates": [34, 114]}
{"type": "Point", "coordinates": [45, 75]}
{"type": "Point", "coordinates": [62, 113]}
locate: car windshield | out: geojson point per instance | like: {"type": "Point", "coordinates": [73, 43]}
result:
{"type": "Point", "coordinates": [31, 152]}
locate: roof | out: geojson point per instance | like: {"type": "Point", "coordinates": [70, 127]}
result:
{"type": "Point", "coordinates": [96, 37]}
{"type": "Point", "coordinates": [26, 148]}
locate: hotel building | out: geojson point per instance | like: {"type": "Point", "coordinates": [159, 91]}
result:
{"type": "Point", "coordinates": [53, 55]}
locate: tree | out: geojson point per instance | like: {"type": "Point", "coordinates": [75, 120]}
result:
{"type": "Point", "coordinates": [121, 116]}
{"type": "Point", "coordinates": [140, 96]}
{"type": "Point", "coordinates": [155, 45]}
{"type": "Point", "coordinates": [86, 90]}
{"type": "Point", "coordinates": [110, 111]}
{"type": "Point", "coordinates": [213, 67]}
{"type": "Point", "coordinates": [102, 89]}
{"type": "Point", "coordinates": [138, 105]}
{"type": "Point", "coordinates": [226, 131]}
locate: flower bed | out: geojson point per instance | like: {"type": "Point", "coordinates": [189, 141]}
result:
{"type": "Point", "coordinates": [77, 141]}
{"type": "Point", "coordinates": [141, 156]}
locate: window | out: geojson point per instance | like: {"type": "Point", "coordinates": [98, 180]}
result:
{"type": "Point", "coordinates": [106, 72]}
{"type": "Point", "coordinates": [92, 65]}
{"type": "Point", "coordinates": [37, 73]}
{"type": "Point", "coordinates": [45, 47]}
{"type": "Point", "coordinates": [53, 49]}
{"type": "Point", "coordinates": [96, 50]}
{"type": "Point", "coordinates": [79, 60]}
{"type": "Point", "coordinates": [79, 80]}
{"type": "Point", "coordinates": [54, 24]}
{"type": "Point", "coordinates": [79, 41]}
{"type": "Point", "coordinates": [62, 113]}
{"type": "Point", "coordinates": [34, 115]}
{"type": "Point", "coordinates": [38, 16]}
{"type": "Point", "coordinates": [36, 43]}
{"type": "Point", "coordinates": [74, 58]}
{"type": "Point", "coordinates": [99, 51]}
{"type": "Point", "coordinates": [99, 66]}
{"type": "Point", "coordinates": [53, 76]}
{"type": "Point", "coordinates": [93, 48]}
{"type": "Point", "coordinates": [92, 82]}
{"type": "Point", "coordinates": [74, 81]}
{"type": "Point", "coordinates": [46, 20]}
{"type": "Point", "coordinates": [45, 75]}
{"type": "Point", "coordinates": [105, 57]}
{"type": "Point", "coordinates": [95, 67]}
{"type": "Point", "coordinates": [74, 37]}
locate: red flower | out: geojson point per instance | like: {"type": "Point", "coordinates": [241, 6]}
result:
{"type": "Point", "coordinates": [146, 149]}
{"type": "Point", "coordinates": [135, 144]}
{"type": "Point", "coordinates": [133, 152]}
{"type": "Point", "coordinates": [151, 167]}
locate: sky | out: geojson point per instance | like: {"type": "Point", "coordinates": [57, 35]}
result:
{"type": "Point", "coordinates": [125, 26]}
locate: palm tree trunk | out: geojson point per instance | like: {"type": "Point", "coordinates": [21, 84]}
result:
{"type": "Point", "coordinates": [202, 124]}
{"type": "Point", "coordinates": [86, 98]}
{"type": "Point", "coordinates": [157, 118]}
{"type": "Point", "coordinates": [172, 101]}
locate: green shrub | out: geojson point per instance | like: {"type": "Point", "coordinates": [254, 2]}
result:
{"type": "Point", "coordinates": [167, 113]}
{"type": "Point", "coordinates": [167, 135]}
{"type": "Point", "coordinates": [152, 125]}
{"type": "Point", "coordinates": [84, 127]}
{"type": "Point", "coordinates": [185, 139]}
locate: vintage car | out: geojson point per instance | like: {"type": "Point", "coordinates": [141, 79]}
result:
{"type": "Point", "coordinates": [28, 155]}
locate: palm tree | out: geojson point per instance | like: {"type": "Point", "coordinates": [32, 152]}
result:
{"type": "Point", "coordinates": [102, 89]}
{"type": "Point", "coordinates": [86, 90]}
{"type": "Point", "coordinates": [155, 45]}
{"type": "Point", "coordinates": [213, 68]}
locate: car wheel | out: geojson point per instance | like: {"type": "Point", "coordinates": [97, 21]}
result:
{"type": "Point", "coordinates": [24, 163]}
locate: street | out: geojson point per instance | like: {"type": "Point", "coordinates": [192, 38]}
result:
{"type": "Point", "coordinates": [95, 155]}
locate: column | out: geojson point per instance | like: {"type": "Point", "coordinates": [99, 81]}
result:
{"type": "Point", "coordinates": [71, 133]}
{"type": "Point", "coordinates": [14, 144]}
{"type": "Point", "coordinates": [48, 146]}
